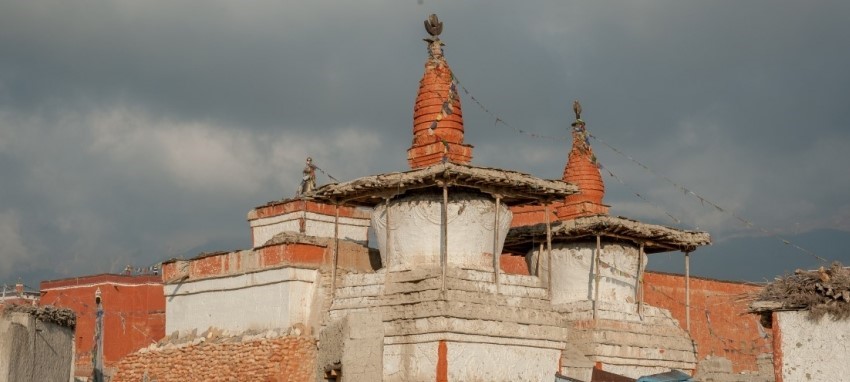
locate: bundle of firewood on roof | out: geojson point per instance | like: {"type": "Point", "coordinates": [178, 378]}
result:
{"type": "Point", "coordinates": [821, 291]}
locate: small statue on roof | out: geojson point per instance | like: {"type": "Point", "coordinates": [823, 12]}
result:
{"type": "Point", "coordinates": [308, 178]}
{"type": "Point", "coordinates": [434, 27]}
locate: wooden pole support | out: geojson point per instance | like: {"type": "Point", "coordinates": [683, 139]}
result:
{"type": "Point", "coordinates": [444, 236]}
{"type": "Point", "coordinates": [497, 259]}
{"type": "Point", "coordinates": [596, 276]}
{"type": "Point", "coordinates": [336, 249]}
{"type": "Point", "coordinates": [388, 243]}
{"type": "Point", "coordinates": [548, 254]}
{"type": "Point", "coordinates": [639, 286]}
{"type": "Point", "coordinates": [688, 291]}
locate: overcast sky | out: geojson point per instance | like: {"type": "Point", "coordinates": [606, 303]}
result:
{"type": "Point", "coordinates": [136, 131]}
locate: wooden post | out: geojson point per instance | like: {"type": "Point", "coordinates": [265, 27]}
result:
{"type": "Point", "coordinates": [548, 254]}
{"type": "Point", "coordinates": [688, 291]}
{"type": "Point", "coordinates": [539, 260]}
{"type": "Point", "coordinates": [336, 249]}
{"type": "Point", "coordinates": [639, 286]}
{"type": "Point", "coordinates": [444, 257]}
{"type": "Point", "coordinates": [497, 260]}
{"type": "Point", "coordinates": [387, 243]}
{"type": "Point", "coordinates": [596, 276]}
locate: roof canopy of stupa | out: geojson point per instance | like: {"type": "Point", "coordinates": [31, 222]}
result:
{"type": "Point", "coordinates": [655, 238]}
{"type": "Point", "coordinates": [513, 187]}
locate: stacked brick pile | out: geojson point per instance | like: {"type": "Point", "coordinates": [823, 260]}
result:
{"type": "Point", "coordinates": [264, 357]}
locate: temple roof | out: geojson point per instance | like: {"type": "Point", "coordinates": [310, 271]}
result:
{"type": "Point", "coordinates": [514, 187]}
{"type": "Point", "coordinates": [656, 238]}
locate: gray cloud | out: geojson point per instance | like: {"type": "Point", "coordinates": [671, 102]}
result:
{"type": "Point", "coordinates": [133, 131]}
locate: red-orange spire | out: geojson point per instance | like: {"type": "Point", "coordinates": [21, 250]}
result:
{"type": "Point", "coordinates": [437, 115]}
{"type": "Point", "coordinates": [582, 171]}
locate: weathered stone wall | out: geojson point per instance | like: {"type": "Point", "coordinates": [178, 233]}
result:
{"type": "Point", "coordinates": [720, 325]}
{"type": "Point", "coordinates": [262, 357]}
{"type": "Point", "coordinates": [467, 333]}
{"type": "Point", "coordinates": [811, 350]}
{"type": "Point", "coordinates": [34, 350]}
{"type": "Point", "coordinates": [626, 340]}
{"type": "Point", "coordinates": [353, 346]}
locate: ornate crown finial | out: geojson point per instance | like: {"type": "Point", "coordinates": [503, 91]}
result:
{"type": "Point", "coordinates": [433, 25]}
{"type": "Point", "coordinates": [577, 111]}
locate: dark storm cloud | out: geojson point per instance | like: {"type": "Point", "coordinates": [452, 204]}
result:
{"type": "Point", "coordinates": [133, 131]}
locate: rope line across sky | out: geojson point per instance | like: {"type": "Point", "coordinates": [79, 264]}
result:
{"type": "Point", "coordinates": [688, 192]}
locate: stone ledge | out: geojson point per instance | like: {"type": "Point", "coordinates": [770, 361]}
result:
{"type": "Point", "coordinates": [471, 338]}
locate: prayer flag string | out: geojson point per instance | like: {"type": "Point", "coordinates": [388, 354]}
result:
{"type": "Point", "coordinates": [703, 201]}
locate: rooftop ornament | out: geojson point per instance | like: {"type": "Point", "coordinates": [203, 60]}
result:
{"type": "Point", "coordinates": [434, 27]}
{"type": "Point", "coordinates": [308, 178]}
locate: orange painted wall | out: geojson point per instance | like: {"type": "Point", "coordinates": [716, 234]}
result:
{"type": "Point", "coordinates": [513, 264]}
{"type": "Point", "coordinates": [134, 313]}
{"type": "Point", "coordinates": [720, 324]}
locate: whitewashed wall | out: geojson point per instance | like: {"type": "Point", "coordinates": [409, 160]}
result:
{"type": "Point", "coordinates": [271, 299]}
{"type": "Point", "coordinates": [469, 361]}
{"type": "Point", "coordinates": [813, 351]}
{"type": "Point", "coordinates": [415, 231]}
{"type": "Point", "coordinates": [572, 272]}
{"type": "Point", "coordinates": [318, 225]}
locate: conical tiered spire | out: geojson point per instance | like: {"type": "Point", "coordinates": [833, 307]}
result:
{"type": "Point", "coordinates": [582, 171]}
{"type": "Point", "coordinates": [437, 115]}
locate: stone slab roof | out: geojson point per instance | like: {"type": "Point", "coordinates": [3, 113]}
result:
{"type": "Point", "coordinates": [514, 187]}
{"type": "Point", "coordinates": [656, 238]}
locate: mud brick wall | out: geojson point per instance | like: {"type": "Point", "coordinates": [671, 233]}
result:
{"type": "Point", "coordinates": [720, 324]}
{"type": "Point", "coordinates": [281, 359]}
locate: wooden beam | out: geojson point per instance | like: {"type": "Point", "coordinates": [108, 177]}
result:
{"type": "Point", "coordinates": [548, 254]}
{"type": "Point", "coordinates": [596, 276]}
{"type": "Point", "coordinates": [444, 225]}
{"type": "Point", "coordinates": [639, 286]}
{"type": "Point", "coordinates": [497, 258]}
{"type": "Point", "coordinates": [336, 250]}
{"type": "Point", "coordinates": [688, 291]}
{"type": "Point", "coordinates": [388, 244]}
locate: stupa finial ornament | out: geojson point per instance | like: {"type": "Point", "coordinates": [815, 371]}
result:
{"type": "Point", "coordinates": [577, 111]}
{"type": "Point", "coordinates": [434, 27]}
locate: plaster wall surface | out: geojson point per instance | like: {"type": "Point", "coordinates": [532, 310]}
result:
{"type": "Point", "coordinates": [33, 350]}
{"type": "Point", "coordinates": [270, 299]}
{"type": "Point", "coordinates": [812, 350]}
{"type": "Point", "coordinates": [319, 225]}
{"type": "Point", "coordinates": [470, 361]}
{"type": "Point", "coordinates": [488, 362]}
{"type": "Point", "coordinates": [355, 342]}
{"type": "Point", "coordinates": [415, 231]}
{"type": "Point", "coordinates": [573, 273]}
{"type": "Point", "coordinates": [410, 362]}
